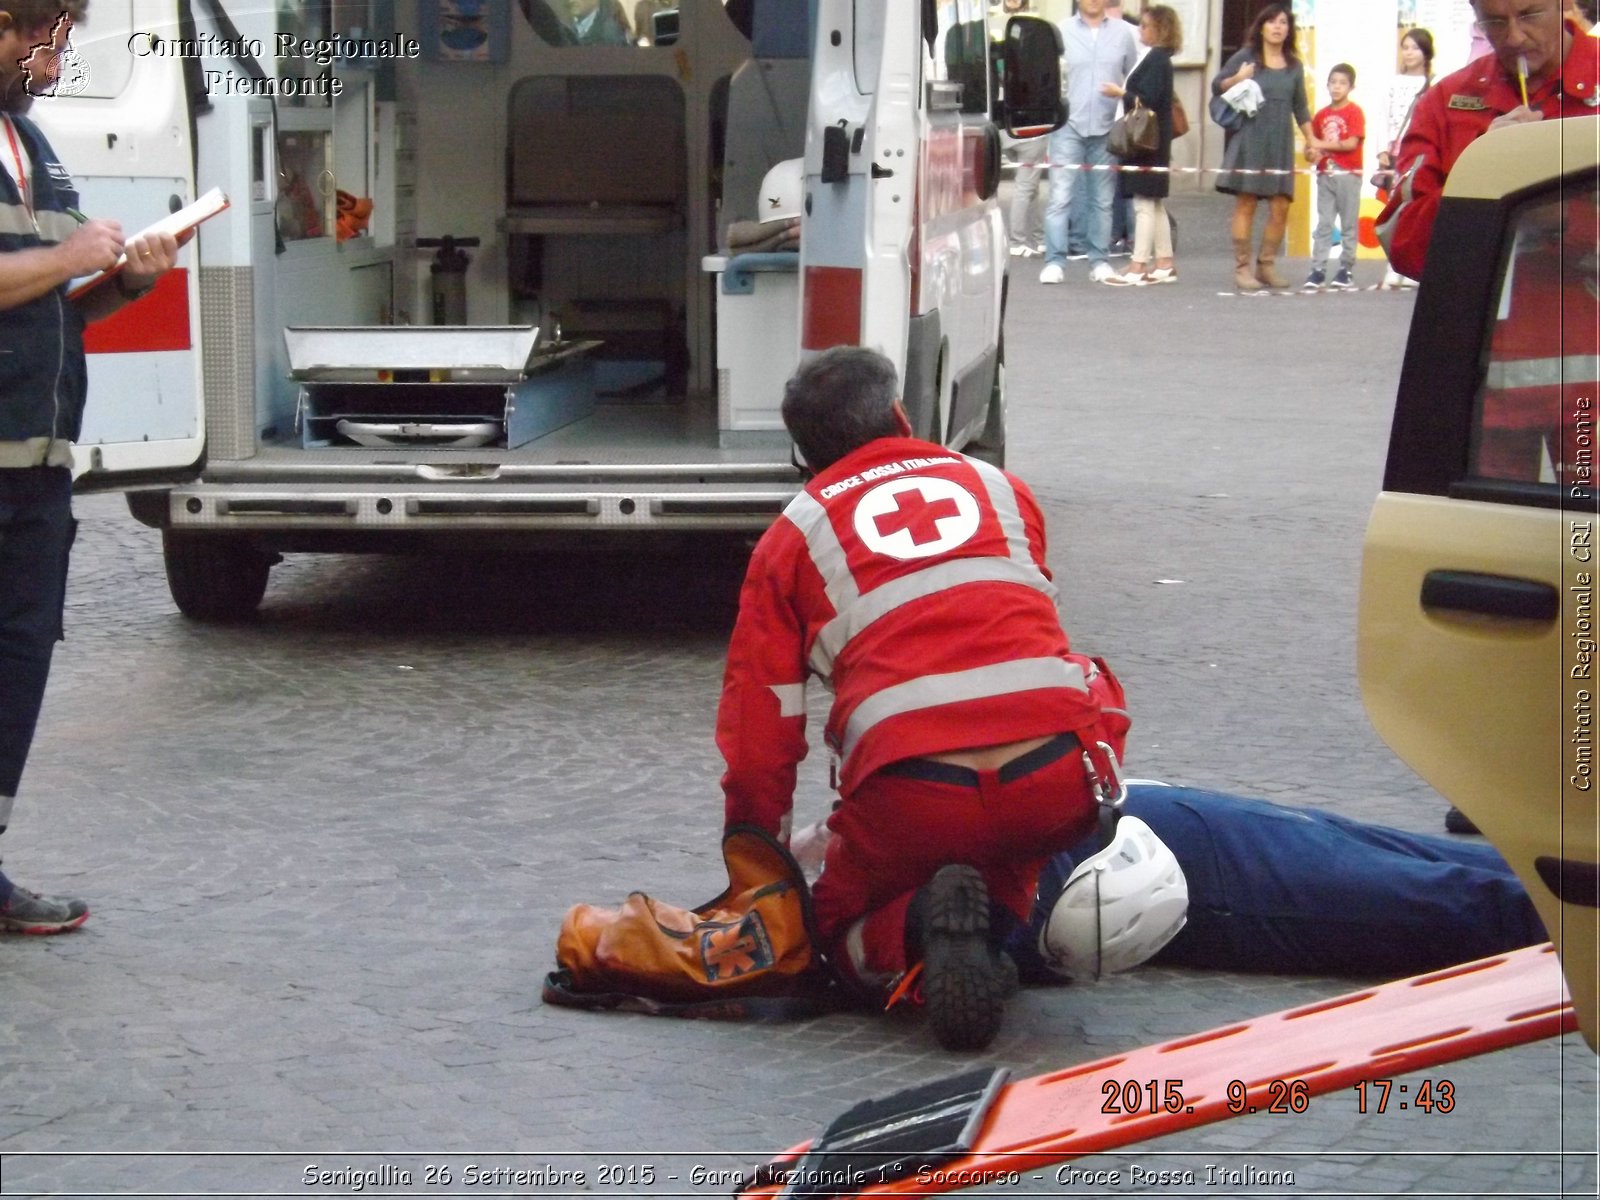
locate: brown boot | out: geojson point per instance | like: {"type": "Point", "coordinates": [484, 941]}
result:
{"type": "Point", "coordinates": [1271, 241]}
{"type": "Point", "coordinates": [1267, 270]}
{"type": "Point", "coordinates": [1243, 279]}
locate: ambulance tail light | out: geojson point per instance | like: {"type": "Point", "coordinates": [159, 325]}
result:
{"type": "Point", "coordinates": [831, 308]}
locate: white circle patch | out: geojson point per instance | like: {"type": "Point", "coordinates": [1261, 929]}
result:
{"type": "Point", "coordinates": [916, 518]}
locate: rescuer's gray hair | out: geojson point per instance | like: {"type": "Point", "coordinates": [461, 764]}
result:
{"type": "Point", "coordinates": [838, 402]}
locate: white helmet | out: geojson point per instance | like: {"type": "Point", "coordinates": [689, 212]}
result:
{"type": "Point", "coordinates": [783, 191]}
{"type": "Point", "coordinates": [1118, 908]}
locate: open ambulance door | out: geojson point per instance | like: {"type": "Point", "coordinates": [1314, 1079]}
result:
{"type": "Point", "coordinates": [120, 124]}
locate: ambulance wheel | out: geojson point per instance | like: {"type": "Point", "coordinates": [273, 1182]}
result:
{"type": "Point", "coordinates": [214, 577]}
{"type": "Point", "coordinates": [990, 445]}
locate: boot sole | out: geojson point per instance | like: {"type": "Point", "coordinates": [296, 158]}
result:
{"type": "Point", "coordinates": [42, 929]}
{"type": "Point", "coordinates": [963, 988]}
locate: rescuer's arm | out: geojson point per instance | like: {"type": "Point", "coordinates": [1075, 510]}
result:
{"type": "Point", "coordinates": [1406, 223]}
{"type": "Point", "coordinates": [761, 720]}
{"type": "Point", "coordinates": [28, 274]}
{"type": "Point", "coordinates": [149, 257]}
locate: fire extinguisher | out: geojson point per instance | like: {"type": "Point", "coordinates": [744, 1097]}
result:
{"type": "Point", "coordinates": [449, 278]}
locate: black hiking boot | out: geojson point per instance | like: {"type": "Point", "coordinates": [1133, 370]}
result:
{"type": "Point", "coordinates": [965, 982]}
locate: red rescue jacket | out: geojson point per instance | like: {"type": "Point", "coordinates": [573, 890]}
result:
{"type": "Point", "coordinates": [911, 580]}
{"type": "Point", "coordinates": [1453, 114]}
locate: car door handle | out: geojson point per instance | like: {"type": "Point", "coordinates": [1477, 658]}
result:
{"type": "Point", "coordinates": [1492, 595]}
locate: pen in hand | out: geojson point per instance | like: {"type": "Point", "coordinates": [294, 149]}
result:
{"type": "Point", "coordinates": [77, 216]}
{"type": "Point", "coordinates": [1522, 77]}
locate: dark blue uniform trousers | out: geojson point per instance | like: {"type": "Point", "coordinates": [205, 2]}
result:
{"type": "Point", "coordinates": [1301, 891]}
{"type": "Point", "coordinates": [36, 532]}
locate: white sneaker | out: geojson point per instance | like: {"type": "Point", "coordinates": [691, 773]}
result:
{"type": "Point", "coordinates": [1053, 273]}
{"type": "Point", "coordinates": [1102, 272]}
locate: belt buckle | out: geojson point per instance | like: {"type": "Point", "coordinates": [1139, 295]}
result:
{"type": "Point", "coordinates": [1108, 794]}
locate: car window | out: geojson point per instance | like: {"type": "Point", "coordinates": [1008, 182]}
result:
{"type": "Point", "coordinates": [1534, 417]}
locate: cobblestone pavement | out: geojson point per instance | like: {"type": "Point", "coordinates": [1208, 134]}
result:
{"type": "Point", "coordinates": [327, 852]}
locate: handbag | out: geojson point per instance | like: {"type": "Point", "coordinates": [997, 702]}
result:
{"type": "Point", "coordinates": [1180, 118]}
{"type": "Point", "coordinates": [1225, 114]}
{"type": "Point", "coordinates": [748, 954]}
{"type": "Point", "coordinates": [1136, 134]}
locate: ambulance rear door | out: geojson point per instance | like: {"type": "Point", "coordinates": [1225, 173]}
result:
{"type": "Point", "coordinates": [119, 122]}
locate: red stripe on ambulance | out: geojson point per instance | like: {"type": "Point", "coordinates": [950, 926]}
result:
{"type": "Point", "coordinates": [158, 321]}
{"type": "Point", "coordinates": [832, 314]}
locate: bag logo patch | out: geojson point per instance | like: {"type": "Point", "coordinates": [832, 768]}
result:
{"type": "Point", "coordinates": [916, 518]}
{"type": "Point", "coordinates": [730, 951]}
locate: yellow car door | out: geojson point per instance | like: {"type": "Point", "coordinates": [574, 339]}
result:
{"type": "Point", "coordinates": [1477, 624]}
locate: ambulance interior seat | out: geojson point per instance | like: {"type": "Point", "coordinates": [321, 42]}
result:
{"type": "Point", "coordinates": [596, 200]}
{"type": "Point", "coordinates": [768, 100]}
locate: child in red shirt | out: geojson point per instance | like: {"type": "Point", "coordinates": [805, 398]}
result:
{"type": "Point", "coordinates": [1335, 146]}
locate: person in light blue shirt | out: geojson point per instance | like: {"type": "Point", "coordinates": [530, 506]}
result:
{"type": "Point", "coordinates": [1099, 52]}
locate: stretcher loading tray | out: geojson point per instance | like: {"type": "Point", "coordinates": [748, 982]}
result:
{"type": "Point", "coordinates": [436, 386]}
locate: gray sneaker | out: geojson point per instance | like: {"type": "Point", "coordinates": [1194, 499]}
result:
{"type": "Point", "coordinates": [29, 912]}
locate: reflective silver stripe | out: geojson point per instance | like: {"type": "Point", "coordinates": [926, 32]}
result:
{"type": "Point", "coordinates": [14, 219]}
{"type": "Point", "coordinates": [827, 555]}
{"type": "Point", "coordinates": [929, 691]}
{"type": "Point", "coordinates": [881, 601]}
{"type": "Point", "coordinates": [1406, 186]}
{"type": "Point", "coordinates": [855, 949]}
{"type": "Point", "coordinates": [36, 452]}
{"type": "Point", "coordinates": [791, 698]}
{"type": "Point", "coordinates": [55, 226]}
{"type": "Point", "coordinates": [1542, 372]}
{"type": "Point", "coordinates": [1003, 499]}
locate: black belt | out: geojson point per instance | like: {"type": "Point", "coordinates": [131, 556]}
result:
{"type": "Point", "coordinates": [931, 770]}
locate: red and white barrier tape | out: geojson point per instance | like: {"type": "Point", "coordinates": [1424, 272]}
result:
{"type": "Point", "coordinates": [1135, 168]}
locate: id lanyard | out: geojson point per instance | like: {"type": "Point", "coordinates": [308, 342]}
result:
{"type": "Point", "coordinates": [21, 168]}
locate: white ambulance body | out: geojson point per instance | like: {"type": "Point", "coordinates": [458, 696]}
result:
{"type": "Point", "coordinates": [594, 361]}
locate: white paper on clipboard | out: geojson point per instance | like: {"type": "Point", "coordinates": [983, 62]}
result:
{"type": "Point", "coordinates": [177, 224]}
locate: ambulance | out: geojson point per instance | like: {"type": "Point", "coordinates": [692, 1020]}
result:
{"type": "Point", "coordinates": [472, 278]}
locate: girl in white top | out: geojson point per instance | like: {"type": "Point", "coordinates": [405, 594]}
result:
{"type": "Point", "coordinates": [1415, 77]}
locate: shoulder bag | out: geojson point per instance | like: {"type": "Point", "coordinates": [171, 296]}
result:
{"type": "Point", "coordinates": [1136, 134]}
{"type": "Point", "coordinates": [1180, 118]}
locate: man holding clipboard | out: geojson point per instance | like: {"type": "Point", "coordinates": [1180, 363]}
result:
{"type": "Point", "coordinates": [44, 244]}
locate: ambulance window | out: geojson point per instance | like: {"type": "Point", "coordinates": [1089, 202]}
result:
{"type": "Point", "coordinates": [96, 62]}
{"type": "Point", "coordinates": [960, 50]}
{"type": "Point", "coordinates": [1534, 421]}
{"type": "Point", "coordinates": [603, 22]}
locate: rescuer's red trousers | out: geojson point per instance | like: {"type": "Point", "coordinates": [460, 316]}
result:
{"type": "Point", "coordinates": [909, 819]}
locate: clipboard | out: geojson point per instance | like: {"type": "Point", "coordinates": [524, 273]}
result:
{"type": "Point", "coordinates": [185, 219]}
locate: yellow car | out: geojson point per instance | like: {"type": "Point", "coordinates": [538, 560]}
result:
{"type": "Point", "coordinates": [1478, 620]}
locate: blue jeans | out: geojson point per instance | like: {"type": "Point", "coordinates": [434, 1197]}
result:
{"type": "Point", "coordinates": [1071, 150]}
{"type": "Point", "coordinates": [36, 531]}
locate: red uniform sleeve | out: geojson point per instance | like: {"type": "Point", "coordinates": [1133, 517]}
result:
{"type": "Point", "coordinates": [1406, 223]}
{"type": "Point", "coordinates": [761, 722]}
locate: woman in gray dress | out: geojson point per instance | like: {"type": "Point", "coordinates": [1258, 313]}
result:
{"type": "Point", "coordinates": [1264, 143]}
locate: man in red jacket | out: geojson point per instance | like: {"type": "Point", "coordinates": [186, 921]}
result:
{"type": "Point", "coordinates": [912, 581]}
{"type": "Point", "coordinates": [1562, 80]}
